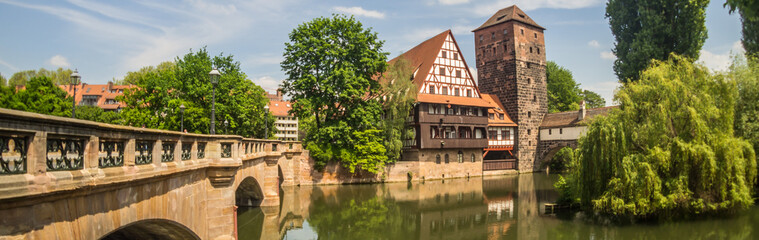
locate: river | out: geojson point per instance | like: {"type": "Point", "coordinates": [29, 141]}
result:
{"type": "Point", "coordinates": [503, 207]}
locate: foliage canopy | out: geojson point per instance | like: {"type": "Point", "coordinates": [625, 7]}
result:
{"type": "Point", "coordinates": [668, 152]}
{"type": "Point", "coordinates": [651, 30]}
{"type": "Point", "coordinates": [41, 95]}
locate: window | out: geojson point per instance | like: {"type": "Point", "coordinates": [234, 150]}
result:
{"type": "Point", "coordinates": [480, 38]}
{"type": "Point", "coordinates": [549, 131]}
{"type": "Point", "coordinates": [469, 92]}
{"type": "Point", "coordinates": [473, 157]}
{"type": "Point", "coordinates": [529, 114]}
{"type": "Point", "coordinates": [445, 91]}
{"type": "Point", "coordinates": [441, 71]}
{"type": "Point", "coordinates": [530, 49]}
{"type": "Point", "coordinates": [458, 74]}
{"type": "Point", "coordinates": [437, 159]}
{"type": "Point", "coordinates": [490, 116]}
{"type": "Point", "coordinates": [434, 132]}
{"type": "Point", "coordinates": [500, 116]}
{"type": "Point", "coordinates": [460, 157]}
{"type": "Point", "coordinates": [444, 54]}
{"type": "Point", "coordinates": [431, 109]}
{"type": "Point", "coordinates": [529, 80]}
{"type": "Point", "coordinates": [450, 111]}
{"type": "Point", "coordinates": [561, 131]}
{"type": "Point", "coordinates": [534, 98]}
{"type": "Point", "coordinates": [536, 35]}
{"type": "Point", "coordinates": [493, 135]}
{"type": "Point", "coordinates": [492, 35]}
{"type": "Point", "coordinates": [455, 56]}
{"type": "Point", "coordinates": [456, 91]}
{"type": "Point", "coordinates": [505, 32]}
{"type": "Point", "coordinates": [505, 48]}
{"type": "Point", "coordinates": [538, 50]}
{"type": "Point", "coordinates": [478, 133]}
{"type": "Point", "coordinates": [529, 131]}
{"type": "Point", "coordinates": [432, 89]}
{"type": "Point", "coordinates": [446, 159]}
{"type": "Point", "coordinates": [522, 30]}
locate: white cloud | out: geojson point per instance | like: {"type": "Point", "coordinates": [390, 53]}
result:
{"type": "Point", "coordinates": [608, 55]}
{"type": "Point", "coordinates": [59, 61]}
{"type": "Point", "coordinates": [486, 9]}
{"type": "Point", "coordinates": [268, 83]}
{"type": "Point", "coordinates": [452, 2]}
{"type": "Point", "coordinates": [417, 36]}
{"type": "Point", "coordinates": [359, 11]}
{"type": "Point", "coordinates": [720, 62]}
{"type": "Point", "coordinates": [594, 44]}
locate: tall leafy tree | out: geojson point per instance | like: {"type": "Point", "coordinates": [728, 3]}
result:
{"type": "Point", "coordinates": [331, 65]}
{"type": "Point", "coordinates": [39, 96]}
{"type": "Point", "coordinates": [3, 81]}
{"type": "Point", "coordinates": [592, 99]}
{"type": "Point", "coordinates": [563, 91]}
{"type": "Point", "coordinates": [97, 114]}
{"type": "Point", "coordinates": [651, 30]}
{"type": "Point", "coordinates": [155, 102]}
{"type": "Point", "coordinates": [668, 152]}
{"type": "Point", "coordinates": [58, 77]}
{"type": "Point", "coordinates": [746, 76]}
{"type": "Point", "coordinates": [134, 77]}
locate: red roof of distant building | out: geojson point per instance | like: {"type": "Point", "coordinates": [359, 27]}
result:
{"type": "Point", "coordinates": [279, 108]}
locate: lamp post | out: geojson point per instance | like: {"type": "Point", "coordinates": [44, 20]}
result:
{"type": "Point", "coordinates": [73, 82]}
{"type": "Point", "coordinates": [214, 76]}
{"type": "Point", "coordinates": [266, 121]}
{"type": "Point", "coordinates": [181, 111]}
{"type": "Point", "coordinates": [226, 125]}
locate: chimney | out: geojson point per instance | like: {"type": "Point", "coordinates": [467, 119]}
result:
{"type": "Point", "coordinates": [110, 86]}
{"type": "Point", "coordinates": [279, 93]}
{"type": "Point", "coordinates": [581, 113]}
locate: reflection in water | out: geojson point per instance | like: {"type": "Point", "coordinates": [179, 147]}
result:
{"type": "Point", "coordinates": [505, 207]}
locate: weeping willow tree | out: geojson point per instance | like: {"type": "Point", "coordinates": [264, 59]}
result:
{"type": "Point", "coordinates": [399, 96]}
{"type": "Point", "coordinates": [668, 152]}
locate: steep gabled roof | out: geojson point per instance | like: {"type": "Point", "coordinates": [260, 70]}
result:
{"type": "Point", "coordinates": [512, 13]}
{"type": "Point", "coordinates": [423, 56]}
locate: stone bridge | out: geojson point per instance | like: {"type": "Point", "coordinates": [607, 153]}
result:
{"type": "Point", "coordinates": [63, 178]}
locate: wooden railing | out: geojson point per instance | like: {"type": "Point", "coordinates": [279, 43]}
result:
{"type": "Point", "coordinates": [506, 164]}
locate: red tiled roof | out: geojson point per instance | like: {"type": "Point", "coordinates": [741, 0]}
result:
{"type": "Point", "coordinates": [104, 91]}
{"type": "Point", "coordinates": [279, 108]}
{"type": "Point", "coordinates": [512, 13]}
{"type": "Point", "coordinates": [423, 56]}
{"type": "Point", "coordinates": [497, 107]}
{"type": "Point", "coordinates": [569, 119]}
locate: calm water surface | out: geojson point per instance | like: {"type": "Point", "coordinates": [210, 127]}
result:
{"type": "Point", "coordinates": [506, 207]}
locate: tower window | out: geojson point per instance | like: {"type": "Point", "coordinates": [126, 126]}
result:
{"type": "Point", "coordinates": [505, 48]}
{"type": "Point", "coordinates": [529, 115]}
{"type": "Point", "coordinates": [561, 131]}
{"type": "Point", "coordinates": [522, 31]}
{"type": "Point", "coordinates": [444, 54]}
{"type": "Point", "coordinates": [538, 50]}
{"type": "Point", "coordinates": [529, 131]}
{"type": "Point", "coordinates": [530, 49]}
{"type": "Point", "coordinates": [534, 98]}
{"type": "Point", "coordinates": [492, 36]}
{"type": "Point", "coordinates": [458, 73]}
{"type": "Point", "coordinates": [505, 32]}
{"type": "Point", "coordinates": [536, 35]}
{"type": "Point", "coordinates": [441, 71]}
{"type": "Point", "coordinates": [529, 80]}
{"type": "Point", "coordinates": [480, 38]}
{"type": "Point", "coordinates": [549, 131]}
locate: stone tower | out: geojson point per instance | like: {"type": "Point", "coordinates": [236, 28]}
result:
{"type": "Point", "coordinates": [511, 63]}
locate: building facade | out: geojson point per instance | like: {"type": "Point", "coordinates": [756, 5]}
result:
{"type": "Point", "coordinates": [286, 124]}
{"type": "Point", "coordinates": [510, 52]}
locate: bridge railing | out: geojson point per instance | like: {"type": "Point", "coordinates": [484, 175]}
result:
{"type": "Point", "coordinates": [40, 154]}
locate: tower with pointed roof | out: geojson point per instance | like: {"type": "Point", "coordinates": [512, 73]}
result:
{"type": "Point", "coordinates": [511, 64]}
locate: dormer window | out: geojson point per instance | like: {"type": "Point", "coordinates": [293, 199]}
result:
{"type": "Point", "coordinates": [521, 15]}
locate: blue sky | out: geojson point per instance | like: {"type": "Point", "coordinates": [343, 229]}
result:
{"type": "Point", "coordinates": [106, 39]}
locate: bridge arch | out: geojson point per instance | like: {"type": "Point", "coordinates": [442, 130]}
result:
{"type": "Point", "coordinates": [150, 229]}
{"type": "Point", "coordinates": [547, 149]}
{"type": "Point", "coordinates": [249, 193]}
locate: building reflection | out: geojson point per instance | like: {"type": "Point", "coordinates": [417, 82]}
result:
{"type": "Point", "coordinates": [474, 208]}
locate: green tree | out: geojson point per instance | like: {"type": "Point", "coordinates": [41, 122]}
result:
{"type": "Point", "coordinates": [39, 96]}
{"type": "Point", "coordinates": [97, 114]}
{"type": "Point", "coordinates": [331, 65]}
{"type": "Point", "coordinates": [134, 77]}
{"type": "Point", "coordinates": [668, 152]}
{"type": "Point", "coordinates": [399, 95]}
{"type": "Point", "coordinates": [563, 91]}
{"type": "Point", "coordinates": [562, 160]}
{"type": "Point", "coordinates": [746, 76]}
{"type": "Point", "coordinates": [592, 99]}
{"type": "Point", "coordinates": [58, 77]}
{"type": "Point", "coordinates": [3, 81]}
{"type": "Point", "coordinates": [651, 30]}
{"type": "Point", "coordinates": [155, 102]}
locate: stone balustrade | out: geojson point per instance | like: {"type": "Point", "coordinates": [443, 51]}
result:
{"type": "Point", "coordinates": [42, 154]}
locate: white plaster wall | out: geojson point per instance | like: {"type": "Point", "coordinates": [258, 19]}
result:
{"type": "Point", "coordinates": [567, 133]}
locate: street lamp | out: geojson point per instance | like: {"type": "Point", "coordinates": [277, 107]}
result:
{"type": "Point", "coordinates": [181, 111]}
{"type": "Point", "coordinates": [266, 121]}
{"type": "Point", "coordinates": [74, 80]}
{"type": "Point", "coordinates": [226, 124]}
{"type": "Point", "coordinates": [214, 76]}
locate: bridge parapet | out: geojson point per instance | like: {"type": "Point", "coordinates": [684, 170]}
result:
{"type": "Point", "coordinates": [47, 159]}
